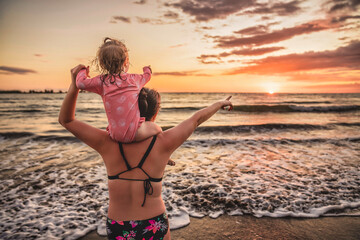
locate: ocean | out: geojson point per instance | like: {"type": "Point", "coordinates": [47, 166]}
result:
{"type": "Point", "coordinates": [276, 155]}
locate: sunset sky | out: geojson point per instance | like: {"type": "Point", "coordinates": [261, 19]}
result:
{"type": "Point", "coordinates": [191, 45]}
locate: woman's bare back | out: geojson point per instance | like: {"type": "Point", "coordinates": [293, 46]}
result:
{"type": "Point", "coordinates": [126, 196]}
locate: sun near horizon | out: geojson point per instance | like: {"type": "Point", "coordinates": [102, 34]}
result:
{"type": "Point", "coordinates": [192, 46]}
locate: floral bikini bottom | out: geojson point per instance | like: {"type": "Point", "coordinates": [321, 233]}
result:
{"type": "Point", "coordinates": [150, 229]}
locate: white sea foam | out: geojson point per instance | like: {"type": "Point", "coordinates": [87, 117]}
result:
{"type": "Point", "coordinates": [216, 214]}
{"type": "Point", "coordinates": [313, 212]}
{"type": "Point", "coordinates": [179, 218]}
{"type": "Point", "coordinates": [101, 227]}
{"type": "Point", "coordinates": [196, 214]}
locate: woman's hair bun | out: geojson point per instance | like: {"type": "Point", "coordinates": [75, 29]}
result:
{"type": "Point", "coordinates": [149, 103]}
{"type": "Point", "coordinates": [143, 104]}
{"type": "Point", "coordinates": [143, 94]}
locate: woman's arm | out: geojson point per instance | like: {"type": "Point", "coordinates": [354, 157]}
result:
{"type": "Point", "coordinates": [67, 110]}
{"type": "Point", "coordinates": [177, 135]}
{"type": "Point", "coordinates": [92, 136]}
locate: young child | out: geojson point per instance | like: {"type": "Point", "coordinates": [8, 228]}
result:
{"type": "Point", "coordinates": [119, 91]}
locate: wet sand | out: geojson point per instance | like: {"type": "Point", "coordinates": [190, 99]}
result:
{"type": "Point", "coordinates": [248, 227]}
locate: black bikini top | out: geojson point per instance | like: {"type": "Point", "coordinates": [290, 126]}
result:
{"type": "Point", "coordinates": [148, 189]}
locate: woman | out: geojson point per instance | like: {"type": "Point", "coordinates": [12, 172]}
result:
{"type": "Point", "coordinates": [136, 209]}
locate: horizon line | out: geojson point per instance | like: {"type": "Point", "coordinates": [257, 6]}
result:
{"type": "Point", "coordinates": [64, 91]}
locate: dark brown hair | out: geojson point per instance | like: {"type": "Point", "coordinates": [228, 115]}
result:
{"type": "Point", "coordinates": [110, 59]}
{"type": "Point", "coordinates": [149, 103]}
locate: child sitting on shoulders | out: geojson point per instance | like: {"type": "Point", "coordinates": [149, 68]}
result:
{"type": "Point", "coordinates": [119, 91]}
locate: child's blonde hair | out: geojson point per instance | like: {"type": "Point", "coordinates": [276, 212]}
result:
{"type": "Point", "coordinates": [111, 59]}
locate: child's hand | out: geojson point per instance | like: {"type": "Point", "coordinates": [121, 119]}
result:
{"type": "Point", "coordinates": [87, 71]}
{"type": "Point", "coordinates": [149, 68]}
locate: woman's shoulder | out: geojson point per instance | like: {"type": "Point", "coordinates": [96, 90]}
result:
{"type": "Point", "coordinates": [160, 140]}
{"type": "Point", "coordinates": [161, 137]}
{"type": "Point", "coordinates": [174, 137]}
{"type": "Point", "coordinates": [164, 141]}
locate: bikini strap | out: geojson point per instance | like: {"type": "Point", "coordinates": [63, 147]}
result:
{"type": "Point", "coordinates": [123, 156]}
{"type": "Point", "coordinates": [147, 152]}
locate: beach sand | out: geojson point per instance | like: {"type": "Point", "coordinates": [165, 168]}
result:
{"type": "Point", "coordinates": [249, 227]}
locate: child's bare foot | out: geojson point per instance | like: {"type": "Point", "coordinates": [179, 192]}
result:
{"type": "Point", "coordinates": [171, 162]}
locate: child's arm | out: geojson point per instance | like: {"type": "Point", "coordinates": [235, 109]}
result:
{"type": "Point", "coordinates": [147, 73]}
{"type": "Point", "coordinates": [146, 130]}
{"type": "Point", "coordinates": [84, 82]}
{"type": "Point", "coordinates": [142, 79]}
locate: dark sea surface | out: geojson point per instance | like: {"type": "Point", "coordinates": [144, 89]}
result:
{"type": "Point", "coordinates": [275, 155]}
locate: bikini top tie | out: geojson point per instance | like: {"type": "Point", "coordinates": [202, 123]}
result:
{"type": "Point", "coordinates": [148, 188]}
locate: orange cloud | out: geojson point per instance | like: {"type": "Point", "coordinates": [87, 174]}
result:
{"type": "Point", "coordinates": [182, 73]}
{"type": "Point", "coordinates": [343, 57]}
{"type": "Point", "coordinates": [343, 5]}
{"type": "Point", "coordinates": [344, 88]}
{"type": "Point", "coordinates": [279, 8]}
{"type": "Point", "coordinates": [272, 37]}
{"type": "Point", "coordinates": [325, 76]}
{"type": "Point", "coordinates": [15, 70]}
{"type": "Point", "coordinates": [238, 52]}
{"type": "Point", "coordinates": [141, 2]}
{"type": "Point", "coordinates": [120, 18]}
{"type": "Point", "coordinates": [205, 10]}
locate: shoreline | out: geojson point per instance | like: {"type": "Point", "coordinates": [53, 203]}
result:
{"type": "Point", "coordinates": [250, 227]}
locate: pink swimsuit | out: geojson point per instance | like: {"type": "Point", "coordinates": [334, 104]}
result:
{"type": "Point", "coordinates": [120, 101]}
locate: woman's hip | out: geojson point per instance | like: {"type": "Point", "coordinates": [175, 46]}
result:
{"type": "Point", "coordinates": [155, 228]}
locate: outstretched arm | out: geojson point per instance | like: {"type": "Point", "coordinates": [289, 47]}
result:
{"type": "Point", "coordinates": [144, 78]}
{"type": "Point", "coordinates": [147, 73]}
{"type": "Point", "coordinates": [204, 114]}
{"type": "Point", "coordinates": [92, 136]}
{"type": "Point", "coordinates": [177, 135]}
{"type": "Point", "coordinates": [84, 82]}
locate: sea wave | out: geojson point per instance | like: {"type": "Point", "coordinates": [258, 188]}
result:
{"type": "Point", "coordinates": [299, 102]}
{"type": "Point", "coordinates": [16, 134]}
{"type": "Point", "coordinates": [268, 126]}
{"type": "Point", "coordinates": [295, 108]}
{"type": "Point", "coordinates": [196, 142]}
{"type": "Point", "coordinates": [272, 141]}
{"type": "Point", "coordinates": [260, 128]}
{"type": "Point", "coordinates": [279, 108]}
{"type": "Point", "coordinates": [56, 138]}
{"type": "Point", "coordinates": [262, 108]}
{"type": "Point", "coordinates": [307, 102]}
{"type": "Point", "coordinates": [91, 110]}
{"type": "Point", "coordinates": [166, 109]}
{"type": "Point", "coordinates": [35, 137]}
{"type": "Point", "coordinates": [21, 111]}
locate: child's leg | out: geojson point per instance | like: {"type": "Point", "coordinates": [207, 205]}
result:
{"type": "Point", "coordinates": [146, 130]}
